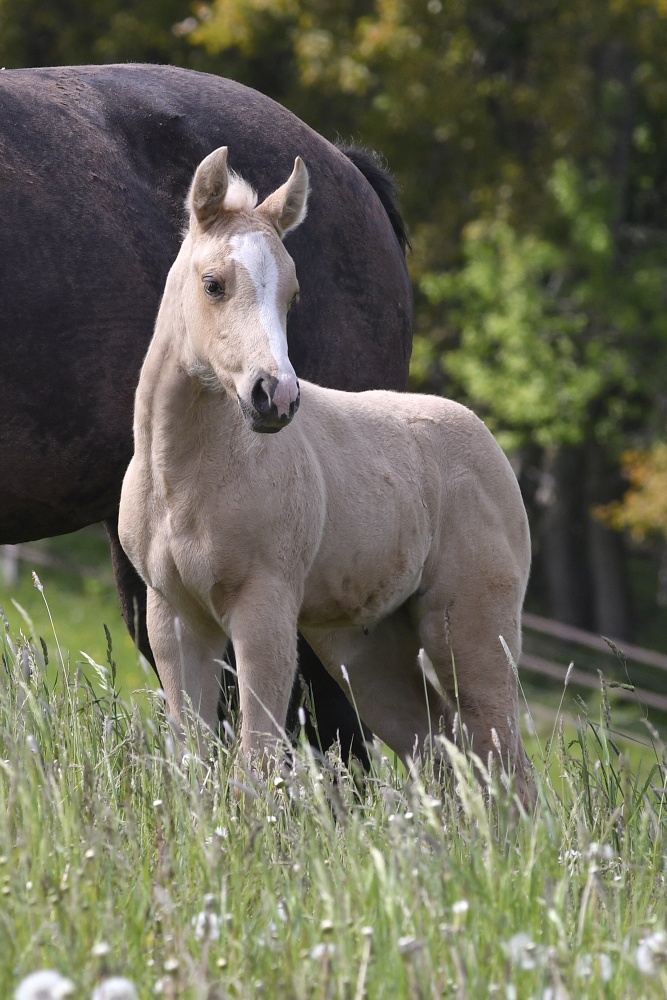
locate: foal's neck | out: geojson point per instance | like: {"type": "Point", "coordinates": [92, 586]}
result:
{"type": "Point", "coordinates": [181, 408]}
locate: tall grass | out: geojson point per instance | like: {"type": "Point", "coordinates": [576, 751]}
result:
{"type": "Point", "coordinates": [122, 852]}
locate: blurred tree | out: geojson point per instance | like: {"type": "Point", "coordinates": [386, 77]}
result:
{"type": "Point", "coordinates": [528, 138]}
{"type": "Point", "coordinates": [64, 32]}
{"type": "Point", "coordinates": [643, 508]}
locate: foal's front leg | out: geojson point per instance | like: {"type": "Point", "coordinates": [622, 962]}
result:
{"type": "Point", "coordinates": [187, 660]}
{"type": "Point", "coordinates": [264, 633]}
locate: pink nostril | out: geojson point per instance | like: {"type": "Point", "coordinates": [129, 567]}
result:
{"type": "Point", "coordinates": [286, 395]}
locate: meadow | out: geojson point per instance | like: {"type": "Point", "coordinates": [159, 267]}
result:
{"type": "Point", "coordinates": [125, 853]}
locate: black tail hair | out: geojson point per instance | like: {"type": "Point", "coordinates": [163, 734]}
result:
{"type": "Point", "coordinates": [371, 165]}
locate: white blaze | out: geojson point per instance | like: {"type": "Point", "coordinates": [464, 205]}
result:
{"type": "Point", "coordinates": [253, 252]}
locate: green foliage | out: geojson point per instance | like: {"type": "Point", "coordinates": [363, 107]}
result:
{"type": "Point", "coordinates": [123, 852]}
{"type": "Point", "coordinates": [77, 582]}
{"type": "Point", "coordinates": [544, 325]}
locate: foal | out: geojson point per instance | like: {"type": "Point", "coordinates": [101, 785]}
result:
{"type": "Point", "coordinates": [377, 523]}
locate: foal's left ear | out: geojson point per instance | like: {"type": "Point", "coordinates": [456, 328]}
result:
{"type": "Point", "coordinates": [286, 208]}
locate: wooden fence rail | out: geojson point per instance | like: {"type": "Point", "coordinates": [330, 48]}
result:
{"type": "Point", "coordinates": [565, 636]}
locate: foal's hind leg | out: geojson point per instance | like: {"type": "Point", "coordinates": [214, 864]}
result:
{"type": "Point", "coordinates": [388, 686]}
{"type": "Point", "coordinates": [461, 638]}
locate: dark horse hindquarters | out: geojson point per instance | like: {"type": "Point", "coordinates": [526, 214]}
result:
{"type": "Point", "coordinates": [95, 163]}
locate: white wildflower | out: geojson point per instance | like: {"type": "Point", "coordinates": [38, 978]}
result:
{"type": "Point", "coordinates": [651, 952]}
{"type": "Point", "coordinates": [206, 926]}
{"type": "Point", "coordinates": [461, 906]}
{"type": "Point", "coordinates": [586, 965]}
{"type": "Point", "coordinates": [322, 950]}
{"type": "Point", "coordinates": [605, 967]}
{"type": "Point", "coordinates": [47, 984]}
{"type": "Point", "coordinates": [115, 988]}
{"type": "Point", "coordinates": [521, 950]}
{"type": "Point", "coordinates": [583, 967]}
{"type": "Point", "coordinates": [557, 992]}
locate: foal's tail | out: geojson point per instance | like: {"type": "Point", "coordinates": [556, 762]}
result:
{"type": "Point", "coordinates": [370, 164]}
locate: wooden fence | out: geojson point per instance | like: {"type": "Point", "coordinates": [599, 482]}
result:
{"type": "Point", "coordinates": [620, 661]}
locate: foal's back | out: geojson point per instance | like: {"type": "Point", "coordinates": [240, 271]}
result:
{"type": "Point", "coordinates": [405, 477]}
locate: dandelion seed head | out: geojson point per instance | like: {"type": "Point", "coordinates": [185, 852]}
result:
{"type": "Point", "coordinates": [47, 984]}
{"type": "Point", "coordinates": [409, 944]}
{"type": "Point", "coordinates": [100, 949]}
{"type": "Point", "coordinates": [461, 906]}
{"type": "Point", "coordinates": [651, 952]}
{"type": "Point", "coordinates": [322, 950]}
{"type": "Point", "coordinates": [115, 988]}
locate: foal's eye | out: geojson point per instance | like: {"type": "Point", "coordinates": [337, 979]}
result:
{"type": "Point", "coordinates": [213, 288]}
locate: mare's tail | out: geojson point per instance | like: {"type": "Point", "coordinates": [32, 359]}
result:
{"type": "Point", "coordinates": [371, 166]}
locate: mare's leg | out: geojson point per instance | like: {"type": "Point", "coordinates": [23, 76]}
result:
{"type": "Point", "coordinates": [131, 592]}
{"type": "Point", "coordinates": [185, 659]}
{"type": "Point", "coordinates": [399, 704]}
{"type": "Point", "coordinates": [334, 717]}
{"type": "Point", "coordinates": [461, 638]}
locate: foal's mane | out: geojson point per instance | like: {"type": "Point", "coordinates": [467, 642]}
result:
{"type": "Point", "coordinates": [240, 197]}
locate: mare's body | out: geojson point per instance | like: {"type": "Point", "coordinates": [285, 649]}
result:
{"type": "Point", "coordinates": [95, 163]}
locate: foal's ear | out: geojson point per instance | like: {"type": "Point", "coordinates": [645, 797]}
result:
{"type": "Point", "coordinates": [286, 207]}
{"type": "Point", "coordinates": [209, 187]}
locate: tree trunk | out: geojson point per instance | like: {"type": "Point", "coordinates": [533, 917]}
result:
{"type": "Point", "coordinates": [562, 538]}
{"type": "Point", "coordinates": [606, 551]}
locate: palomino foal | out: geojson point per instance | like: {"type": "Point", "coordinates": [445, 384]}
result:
{"type": "Point", "coordinates": [376, 523]}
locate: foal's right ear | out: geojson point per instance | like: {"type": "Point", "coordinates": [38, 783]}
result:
{"type": "Point", "coordinates": [209, 187]}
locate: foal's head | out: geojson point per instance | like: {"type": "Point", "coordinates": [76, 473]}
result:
{"type": "Point", "coordinates": [238, 284]}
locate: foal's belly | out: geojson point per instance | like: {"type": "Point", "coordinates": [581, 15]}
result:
{"type": "Point", "coordinates": [361, 585]}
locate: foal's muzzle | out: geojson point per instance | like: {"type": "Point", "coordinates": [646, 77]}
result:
{"type": "Point", "coordinates": [274, 401]}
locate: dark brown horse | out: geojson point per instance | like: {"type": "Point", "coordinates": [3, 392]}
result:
{"type": "Point", "coordinates": [95, 163]}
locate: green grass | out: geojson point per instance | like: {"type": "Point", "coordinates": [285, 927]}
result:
{"type": "Point", "coordinates": [82, 600]}
{"type": "Point", "coordinates": [121, 854]}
